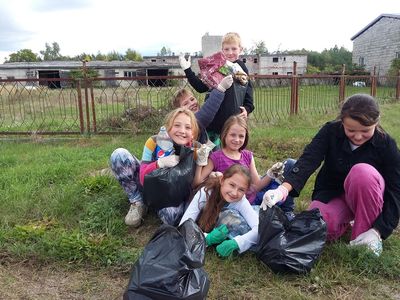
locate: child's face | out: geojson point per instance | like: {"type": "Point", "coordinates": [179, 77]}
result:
{"type": "Point", "coordinates": [231, 51]}
{"type": "Point", "coordinates": [181, 130]}
{"type": "Point", "coordinates": [234, 188]}
{"type": "Point", "coordinates": [358, 134]}
{"type": "Point", "coordinates": [235, 137]}
{"type": "Point", "coordinates": [190, 102]}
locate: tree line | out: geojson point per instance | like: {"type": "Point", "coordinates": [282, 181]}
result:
{"type": "Point", "coordinates": [329, 61]}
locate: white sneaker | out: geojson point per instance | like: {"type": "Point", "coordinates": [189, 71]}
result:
{"type": "Point", "coordinates": [135, 214]}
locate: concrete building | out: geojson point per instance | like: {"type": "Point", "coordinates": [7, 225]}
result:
{"type": "Point", "coordinates": [377, 44]}
{"type": "Point", "coordinates": [271, 64]}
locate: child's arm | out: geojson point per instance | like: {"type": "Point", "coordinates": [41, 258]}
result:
{"type": "Point", "coordinates": [207, 112]}
{"type": "Point", "coordinates": [193, 210]}
{"type": "Point", "coordinates": [195, 81]}
{"type": "Point", "coordinates": [250, 238]}
{"type": "Point", "coordinates": [202, 173]}
{"type": "Point", "coordinates": [257, 182]}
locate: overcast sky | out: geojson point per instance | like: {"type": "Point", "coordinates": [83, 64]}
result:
{"type": "Point", "coordinates": [146, 26]}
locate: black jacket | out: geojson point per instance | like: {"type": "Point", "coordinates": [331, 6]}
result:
{"type": "Point", "coordinates": [331, 146]}
{"type": "Point", "coordinates": [228, 107]}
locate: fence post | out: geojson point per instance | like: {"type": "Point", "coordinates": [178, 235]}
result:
{"type": "Point", "coordinates": [294, 95]}
{"type": "Point", "coordinates": [342, 84]}
{"type": "Point", "coordinates": [80, 108]}
{"type": "Point", "coordinates": [373, 83]}
{"type": "Point", "coordinates": [85, 80]}
{"type": "Point", "coordinates": [398, 86]}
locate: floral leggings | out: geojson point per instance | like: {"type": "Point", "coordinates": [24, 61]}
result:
{"type": "Point", "coordinates": [126, 167]}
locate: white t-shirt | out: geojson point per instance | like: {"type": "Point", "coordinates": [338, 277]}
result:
{"type": "Point", "coordinates": [243, 206]}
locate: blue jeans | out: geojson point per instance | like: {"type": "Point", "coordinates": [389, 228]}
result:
{"type": "Point", "coordinates": [288, 205]}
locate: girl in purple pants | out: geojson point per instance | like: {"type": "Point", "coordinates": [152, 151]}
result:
{"type": "Point", "coordinates": [360, 177]}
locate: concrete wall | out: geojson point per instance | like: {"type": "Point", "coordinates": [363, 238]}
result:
{"type": "Point", "coordinates": [210, 44]}
{"type": "Point", "coordinates": [378, 45]}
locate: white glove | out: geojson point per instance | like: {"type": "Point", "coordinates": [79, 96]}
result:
{"type": "Point", "coordinates": [276, 172]}
{"type": "Point", "coordinates": [371, 239]}
{"type": "Point", "coordinates": [215, 174]}
{"type": "Point", "coordinates": [202, 155]}
{"type": "Point", "coordinates": [271, 197]}
{"type": "Point", "coordinates": [168, 161]}
{"type": "Point", "coordinates": [225, 83]}
{"type": "Point", "coordinates": [185, 64]}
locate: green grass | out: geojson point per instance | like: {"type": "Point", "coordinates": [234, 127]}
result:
{"type": "Point", "coordinates": [55, 209]}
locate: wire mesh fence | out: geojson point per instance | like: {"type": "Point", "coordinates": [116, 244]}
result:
{"type": "Point", "coordinates": [106, 105]}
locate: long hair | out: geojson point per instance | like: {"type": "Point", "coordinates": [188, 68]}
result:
{"type": "Point", "coordinates": [214, 200]}
{"type": "Point", "coordinates": [169, 120]}
{"type": "Point", "coordinates": [364, 109]}
{"type": "Point", "coordinates": [232, 120]}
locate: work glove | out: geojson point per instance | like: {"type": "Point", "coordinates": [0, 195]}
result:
{"type": "Point", "coordinates": [217, 235]}
{"type": "Point", "coordinates": [168, 161]}
{"type": "Point", "coordinates": [271, 197]}
{"type": "Point", "coordinates": [202, 155]}
{"type": "Point", "coordinates": [225, 83]}
{"type": "Point", "coordinates": [185, 64]}
{"type": "Point", "coordinates": [227, 247]}
{"type": "Point", "coordinates": [215, 174]}
{"type": "Point", "coordinates": [371, 239]}
{"type": "Point", "coordinates": [276, 172]}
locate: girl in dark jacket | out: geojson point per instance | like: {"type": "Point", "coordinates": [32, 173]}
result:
{"type": "Point", "coordinates": [359, 180]}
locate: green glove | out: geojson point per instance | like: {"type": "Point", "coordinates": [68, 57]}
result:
{"type": "Point", "coordinates": [226, 248]}
{"type": "Point", "coordinates": [217, 235]}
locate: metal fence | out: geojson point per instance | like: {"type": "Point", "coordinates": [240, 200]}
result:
{"type": "Point", "coordinates": [103, 105]}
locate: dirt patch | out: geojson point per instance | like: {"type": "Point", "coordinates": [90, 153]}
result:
{"type": "Point", "coordinates": [22, 281]}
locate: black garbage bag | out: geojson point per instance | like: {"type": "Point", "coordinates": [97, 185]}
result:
{"type": "Point", "coordinates": [166, 187]}
{"type": "Point", "coordinates": [171, 265]}
{"type": "Point", "coordinates": [290, 246]}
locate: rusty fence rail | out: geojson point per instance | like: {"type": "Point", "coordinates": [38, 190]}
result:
{"type": "Point", "coordinates": [99, 105]}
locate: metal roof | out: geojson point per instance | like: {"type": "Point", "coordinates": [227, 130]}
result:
{"type": "Point", "coordinates": [373, 22]}
{"type": "Point", "coordinates": [91, 64]}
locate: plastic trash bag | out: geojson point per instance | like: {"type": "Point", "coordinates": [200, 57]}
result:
{"type": "Point", "coordinates": [171, 265]}
{"type": "Point", "coordinates": [166, 187]}
{"type": "Point", "coordinates": [215, 67]}
{"type": "Point", "coordinates": [290, 246]}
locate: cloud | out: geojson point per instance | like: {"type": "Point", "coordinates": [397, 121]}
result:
{"type": "Point", "coordinates": [12, 36]}
{"type": "Point", "coordinates": [51, 5]}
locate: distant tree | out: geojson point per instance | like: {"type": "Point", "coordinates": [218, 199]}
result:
{"type": "Point", "coordinates": [114, 55]}
{"type": "Point", "coordinates": [100, 56]}
{"type": "Point", "coordinates": [52, 52]}
{"type": "Point", "coordinates": [24, 55]}
{"type": "Point", "coordinates": [394, 67]}
{"type": "Point", "coordinates": [259, 48]}
{"type": "Point", "coordinates": [165, 52]}
{"type": "Point", "coordinates": [131, 54]}
{"type": "Point", "coordinates": [84, 56]}
{"type": "Point", "coordinates": [312, 69]}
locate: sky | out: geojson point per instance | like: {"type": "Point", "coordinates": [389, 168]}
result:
{"type": "Point", "coordinates": [93, 26]}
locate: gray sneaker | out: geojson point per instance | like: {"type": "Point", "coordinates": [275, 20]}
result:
{"type": "Point", "coordinates": [135, 214]}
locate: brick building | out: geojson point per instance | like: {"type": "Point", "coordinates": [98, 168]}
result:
{"type": "Point", "coordinates": [377, 44]}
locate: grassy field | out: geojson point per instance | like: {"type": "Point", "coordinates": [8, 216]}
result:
{"type": "Point", "coordinates": [59, 213]}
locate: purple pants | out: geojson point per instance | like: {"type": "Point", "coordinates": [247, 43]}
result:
{"type": "Point", "coordinates": [362, 202]}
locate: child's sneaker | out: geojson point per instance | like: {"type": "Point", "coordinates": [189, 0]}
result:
{"type": "Point", "coordinates": [135, 214]}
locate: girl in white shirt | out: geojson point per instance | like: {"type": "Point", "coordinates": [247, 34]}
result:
{"type": "Point", "coordinates": [225, 193]}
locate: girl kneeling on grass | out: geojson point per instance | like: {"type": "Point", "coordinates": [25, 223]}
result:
{"type": "Point", "coordinates": [221, 194]}
{"type": "Point", "coordinates": [182, 128]}
{"type": "Point", "coordinates": [360, 177]}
